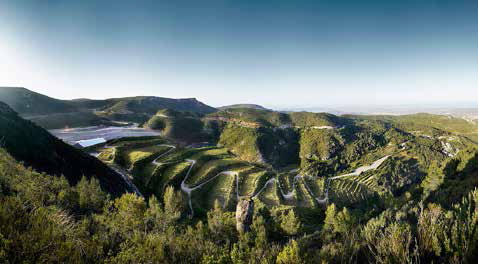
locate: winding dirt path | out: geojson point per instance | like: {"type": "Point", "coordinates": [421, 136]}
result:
{"type": "Point", "coordinates": [359, 170]}
{"type": "Point", "coordinates": [155, 161]}
{"type": "Point", "coordinates": [286, 195]}
{"type": "Point", "coordinates": [289, 195]}
{"type": "Point", "coordinates": [188, 189]}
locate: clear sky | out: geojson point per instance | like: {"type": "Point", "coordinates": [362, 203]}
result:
{"type": "Point", "coordinates": [275, 53]}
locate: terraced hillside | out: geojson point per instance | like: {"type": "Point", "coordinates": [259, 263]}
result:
{"type": "Point", "coordinates": [298, 159]}
{"type": "Point", "coordinates": [311, 177]}
{"type": "Point", "coordinates": [352, 163]}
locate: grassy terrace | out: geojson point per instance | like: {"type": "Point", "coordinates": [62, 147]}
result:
{"type": "Point", "coordinates": [270, 196]}
{"type": "Point", "coordinates": [171, 169]}
{"type": "Point", "coordinates": [345, 149]}
{"type": "Point", "coordinates": [210, 161]}
{"type": "Point", "coordinates": [132, 156]}
{"type": "Point", "coordinates": [251, 180]}
{"type": "Point", "coordinates": [353, 189]}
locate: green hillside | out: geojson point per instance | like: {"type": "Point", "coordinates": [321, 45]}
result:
{"type": "Point", "coordinates": [264, 145]}
{"type": "Point", "coordinates": [250, 117]}
{"type": "Point", "coordinates": [48, 112]}
{"type": "Point", "coordinates": [140, 109]}
{"type": "Point", "coordinates": [177, 125]}
{"type": "Point", "coordinates": [427, 124]}
{"type": "Point", "coordinates": [318, 152]}
{"type": "Point", "coordinates": [330, 200]}
{"type": "Point", "coordinates": [37, 148]}
{"type": "Point", "coordinates": [26, 102]}
{"type": "Point", "coordinates": [52, 113]}
{"type": "Point", "coordinates": [326, 189]}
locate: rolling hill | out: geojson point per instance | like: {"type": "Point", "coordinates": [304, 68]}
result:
{"type": "Point", "coordinates": [328, 182]}
{"type": "Point", "coordinates": [26, 102]}
{"type": "Point", "coordinates": [53, 113]}
{"type": "Point", "coordinates": [177, 125]}
{"type": "Point", "coordinates": [318, 146]}
{"type": "Point", "coordinates": [140, 109]}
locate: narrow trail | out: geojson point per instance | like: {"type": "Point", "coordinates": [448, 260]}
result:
{"type": "Point", "coordinates": [124, 174]}
{"type": "Point", "coordinates": [130, 169]}
{"type": "Point", "coordinates": [188, 189]}
{"type": "Point", "coordinates": [359, 170]}
{"type": "Point", "coordinates": [356, 172]}
{"type": "Point", "coordinates": [268, 182]}
{"type": "Point", "coordinates": [155, 161]}
{"type": "Point", "coordinates": [289, 195]}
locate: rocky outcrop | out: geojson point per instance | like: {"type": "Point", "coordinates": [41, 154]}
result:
{"type": "Point", "coordinates": [244, 212]}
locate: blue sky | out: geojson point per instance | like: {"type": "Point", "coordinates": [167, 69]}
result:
{"type": "Point", "coordinates": [279, 53]}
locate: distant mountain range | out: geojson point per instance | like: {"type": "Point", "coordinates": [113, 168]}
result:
{"type": "Point", "coordinates": [456, 110]}
{"type": "Point", "coordinates": [305, 171]}
{"type": "Point", "coordinates": [26, 102]}
{"type": "Point", "coordinates": [54, 113]}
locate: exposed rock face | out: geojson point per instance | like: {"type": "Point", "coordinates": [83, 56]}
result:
{"type": "Point", "coordinates": [244, 212]}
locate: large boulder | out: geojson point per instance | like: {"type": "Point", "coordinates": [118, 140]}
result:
{"type": "Point", "coordinates": [244, 212]}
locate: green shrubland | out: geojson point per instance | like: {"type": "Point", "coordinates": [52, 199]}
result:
{"type": "Point", "coordinates": [45, 219]}
{"type": "Point", "coordinates": [418, 206]}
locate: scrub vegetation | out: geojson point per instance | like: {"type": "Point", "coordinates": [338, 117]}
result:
{"type": "Point", "coordinates": [325, 189]}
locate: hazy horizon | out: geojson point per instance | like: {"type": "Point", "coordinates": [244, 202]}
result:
{"type": "Point", "coordinates": [278, 54]}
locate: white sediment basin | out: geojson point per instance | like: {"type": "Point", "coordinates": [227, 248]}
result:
{"type": "Point", "coordinates": [90, 142]}
{"type": "Point", "coordinates": [85, 134]}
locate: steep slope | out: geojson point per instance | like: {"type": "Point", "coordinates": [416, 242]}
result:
{"type": "Point", "coordinates": [301, 160]}
{"type": "Point", "coordinates": [177, 125]}
{"type": "Point", "coordinates": [278, 147]}
{"type": "Point", "coordinates": [455, 176]}
{"type": "Point", "coordinates": [37, 148]}
{"type": "Point", "coordinates": [26, 102]}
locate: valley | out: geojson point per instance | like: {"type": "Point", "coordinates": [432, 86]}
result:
{"type": "Point", "coordinates": [184, 172]}
{"type": "Point", "coordinates": [225, 174]}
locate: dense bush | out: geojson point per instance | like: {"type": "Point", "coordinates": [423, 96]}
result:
{"type": "Point", "coordinates": [44, 219]}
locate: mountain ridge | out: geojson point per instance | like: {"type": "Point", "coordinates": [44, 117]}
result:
{"type": "Point", "coordinates": [54, 113]}
{"type": "Point", "coordinates": [252, 106]}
